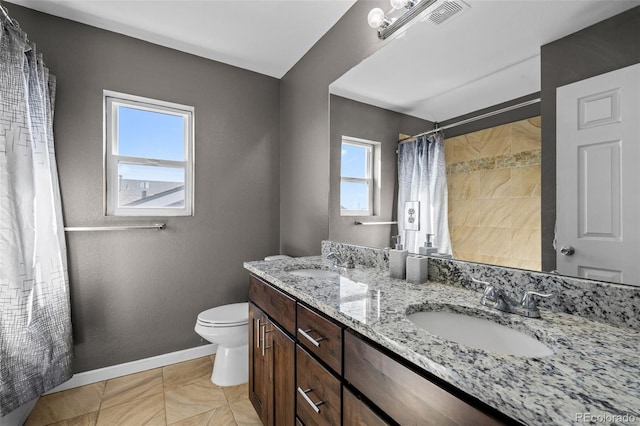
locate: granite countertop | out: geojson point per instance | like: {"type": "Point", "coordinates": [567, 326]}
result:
{"type": "Point", "coordinates": [595, 368]}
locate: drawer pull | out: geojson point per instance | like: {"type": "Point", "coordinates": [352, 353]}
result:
{"type": "Point", "coordinates": [316, 342]}
{"type": "Point", "coordinates": [314, 405]}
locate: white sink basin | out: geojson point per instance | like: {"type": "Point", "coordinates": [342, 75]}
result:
{"type": "Point", "coordinates": [479, 333]}
{"type": "Point", "coordinates": [313, 273]}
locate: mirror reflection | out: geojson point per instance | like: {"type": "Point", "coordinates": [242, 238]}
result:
{"type": "Point", "coordinates": [492, 194]}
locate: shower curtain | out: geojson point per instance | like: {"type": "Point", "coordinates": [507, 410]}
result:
{"type": "Point", "coordinates": [35, 322]}
{"type": "Point", "coordinates": [422, 177]}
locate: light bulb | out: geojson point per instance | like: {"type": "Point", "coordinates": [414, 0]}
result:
{"type": "Point", "coordinates": [398, 4]}
{"type": "Point", "coordinates": [376, 18]}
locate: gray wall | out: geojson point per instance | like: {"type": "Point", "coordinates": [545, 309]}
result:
{"type": "Point", "coordinates": [136, 294]}
{"type": "Point", "coordinates": [355, 119]}
{"type": "Point", "coordinates": [304, 127]}
{"type": "Point", "coordinates": [606, 46]}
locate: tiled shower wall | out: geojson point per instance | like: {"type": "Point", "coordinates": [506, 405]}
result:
{"type": "Point", "coordinates": [494, 195]}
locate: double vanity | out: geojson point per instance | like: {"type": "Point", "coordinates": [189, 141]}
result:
{"type": "Point", "coordinates": [353, 346]}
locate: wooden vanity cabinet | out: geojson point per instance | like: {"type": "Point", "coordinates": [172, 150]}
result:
{"type": "Point", "coordinates": [271, 358]}
{"type": "Point", "coordinates": [308, 369]}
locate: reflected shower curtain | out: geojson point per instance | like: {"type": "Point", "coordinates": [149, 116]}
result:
{"type": "Point", "coordinates": [422, 176]}
{"type": "Point", "coordinates": [35, 323]}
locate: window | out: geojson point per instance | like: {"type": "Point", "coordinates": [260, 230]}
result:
{"type": "Point", "coordinates": [356, 177]}
{"type": "Point", "coordinates": [148, 156]}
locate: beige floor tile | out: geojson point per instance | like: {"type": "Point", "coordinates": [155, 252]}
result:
{"type": "Point", "coordinates": [187, 372]}
{"type": "Point", "coordinates": [236, 393]}
{"type": "Point", "coordinates": [244, 413]}
{"type": "Point", "coordinates": [84, 420]}
{"type": "Point", "coordinates": [131, 387]}
{"type": "Point", "coordinates": [66, 405]}
{"type": "Point", "coordinates": [219, 417]}
{"type": "Point", "coordinates": [143, 411]}
{"type": "Point", "coordinates": [186, 401]}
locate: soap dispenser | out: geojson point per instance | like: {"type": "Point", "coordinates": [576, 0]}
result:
{"type": "Point", "coordinates": [428, 248]}
{"type": "Point", "coordinates": [398, 260]}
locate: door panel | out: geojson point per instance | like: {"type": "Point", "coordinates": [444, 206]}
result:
{"type": "Point", "coordinates": [598, 177]}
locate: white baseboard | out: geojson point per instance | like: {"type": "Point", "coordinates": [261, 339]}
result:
{"type": "Point", "coordinates": [111, 372]}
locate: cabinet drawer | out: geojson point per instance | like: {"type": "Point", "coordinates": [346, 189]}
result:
{"type": "Point", "coordinates": [280, 307]}
{"type": "Point", "coordinates": [356, 413]}
{"type": "Point", "coordinates": [405, 396]}
{"type": "Point", "coordinates": [320, 336]}
{"type": "Point", "coordinates": [317, 392]}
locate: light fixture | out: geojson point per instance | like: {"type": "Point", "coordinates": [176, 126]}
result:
{"type": "Point", "coordinates": [399, 4]}
{"type": "Point", "coordinates": [377, 19]}
{"type": "Point", "coordinates": [386, 25]}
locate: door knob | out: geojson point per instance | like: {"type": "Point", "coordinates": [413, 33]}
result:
{"type": "Point", "coordinates": [567, 251]}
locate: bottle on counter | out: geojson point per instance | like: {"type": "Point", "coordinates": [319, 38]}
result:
{"type": "Point", "coordinates": [398, 260]}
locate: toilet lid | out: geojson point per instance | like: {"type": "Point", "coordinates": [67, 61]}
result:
{"type": "Point", "coordinates": [227, 315]}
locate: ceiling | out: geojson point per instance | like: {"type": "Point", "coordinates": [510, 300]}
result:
{"type": "Point", "coordinates": [265, 36]}
{"type": "Point", "coordinates": [487, 55]}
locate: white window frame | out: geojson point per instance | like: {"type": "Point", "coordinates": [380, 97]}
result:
{"type": "Point", "coordinates": [369, 174]}
{"type": "Point", "coordinates": [113, 100]}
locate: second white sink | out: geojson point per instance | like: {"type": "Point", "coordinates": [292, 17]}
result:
{"type": "Point", "coordinates": [479, 333]}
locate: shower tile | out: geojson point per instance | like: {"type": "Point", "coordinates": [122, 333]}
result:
{"type": "Point", "coordinates": [526, 213]}
{"type": "Point", "coordinates": [461, 186]}
{"type": "Point", "coordinates": [465, 148]}
{"type": "Point", "coordinates": [463, 213]}
{"type": "Point", "coordinates": [186, 401]}
{"type": "Point", "coordinates": [491, 184]}
{"type": "Point", "coordinates": [526, 135]}
{"type": "Point", "coordinates": [131, 387]}
{"type": "Point", "coordinates": [526, 243]}
{"type": "Point", "coordinates": [148, 411]}
{"type": "Point", "coordinates": [494, 141]}
{"type": "Point", "coordinates": [222, 416]}
{"type": "Point", "coordinates": [66, 405]}
{"type": "Point", "coordinates": [450, 151]}
{"type": "Point", "coordinates": [187, 372]}
{"type": "Point", "coordinates": [494, 213]}
{"type": "Point", "coordinates": [525, 181]}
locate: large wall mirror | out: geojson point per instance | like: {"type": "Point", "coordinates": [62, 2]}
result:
{"type": "Point", "coordinates": [493, 56]}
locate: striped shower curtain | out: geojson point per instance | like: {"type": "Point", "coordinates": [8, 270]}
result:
{"type": "Point", "coordinates": [35, 321]}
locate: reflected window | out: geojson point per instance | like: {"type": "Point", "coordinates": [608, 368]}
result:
{"type": "Point", "coordinates": [356, 177]}
{"type": "Point", "coordinates": [149, 156]}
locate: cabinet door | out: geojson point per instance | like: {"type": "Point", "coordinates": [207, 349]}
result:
{"type": "Point", "coordinates": [281, 360]}
{"type": "Point", "coordinates": [258, 363]}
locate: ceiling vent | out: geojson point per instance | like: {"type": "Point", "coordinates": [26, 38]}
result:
{"type": "Point", "coordinates": [447, 11]}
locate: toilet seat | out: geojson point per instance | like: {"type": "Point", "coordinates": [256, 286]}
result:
{"type": "Point", "coordinates": [234, 315]}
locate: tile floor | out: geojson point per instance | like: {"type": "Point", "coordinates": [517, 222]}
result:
{"type": "Point", "coordinates": [179, 394]}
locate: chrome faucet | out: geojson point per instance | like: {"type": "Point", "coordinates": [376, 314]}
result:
{"type": "Point", "coordinates": [339, 261]}
{"type": "Point", "coordinates": [499, 299]}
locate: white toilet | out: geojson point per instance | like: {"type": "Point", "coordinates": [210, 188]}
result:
{"type": "Point", "coordinates": [227, 327]}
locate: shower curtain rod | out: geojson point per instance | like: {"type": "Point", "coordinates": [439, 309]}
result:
{"type": "Point", "coordinates": [472, 119]}
{"type": "Point", "coordinates": [6, 15]}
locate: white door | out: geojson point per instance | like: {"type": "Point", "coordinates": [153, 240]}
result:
{"type": "Point", "coordinates": [598, 177]}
